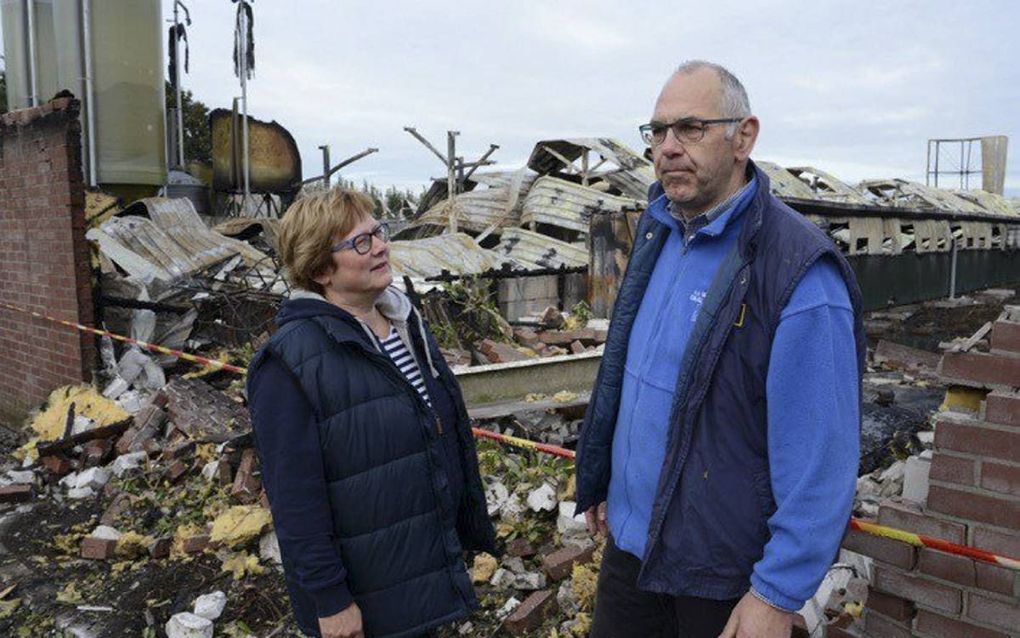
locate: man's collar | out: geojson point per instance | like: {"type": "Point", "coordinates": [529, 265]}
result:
{"type": "Point", "coordinates": [706, 220]}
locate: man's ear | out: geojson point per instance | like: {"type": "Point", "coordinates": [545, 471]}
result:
{"type": "Point", "coordinates": [745, 137]}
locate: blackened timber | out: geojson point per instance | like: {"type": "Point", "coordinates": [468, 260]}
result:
{"type": "Point", "coordinates": [842, 210]}
{"type": "Point", "coordinates": [507, 272]}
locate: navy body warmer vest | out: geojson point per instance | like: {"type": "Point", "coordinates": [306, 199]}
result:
{"type": "Point", "coordinates": [395, 525]}
{"type": "Point", "coordinates": [714, 497]}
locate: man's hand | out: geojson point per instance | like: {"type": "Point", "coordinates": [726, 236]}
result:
{"type": "Point", "coordinates": [346, 624]}
{"type": "Point", "coordinates": [752, 618]}
{"type": "Point", "coordinates": [595, 517]}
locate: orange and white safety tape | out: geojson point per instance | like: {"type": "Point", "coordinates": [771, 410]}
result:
{"type": "Point", "coordinates": [152, 347]}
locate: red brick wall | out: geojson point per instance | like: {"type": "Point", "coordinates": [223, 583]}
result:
{"type": "Point", "coordinates": [44, 261]}
{"type": "Point", "coordinates": [974, 499]}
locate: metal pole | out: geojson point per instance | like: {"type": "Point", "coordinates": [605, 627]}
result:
{"type": "Point", "coordinates": [962, 168]}
{"type": "Point", "coordinates": [424, 141]}
{"type": "Point", "coordinates": [244, 106]}
{"type": "Point", "coordinates": [177, 90]}
{"type": "Point", "coordinates": [970, 147]}
{"type": "Point", "coordinates": [482, 161]}
{"type": "Point", "coordinates": [90, 94]}
{"type": "Point", "coordinates": [32, 87]}
{"type": "Point", "coordinates": [451, 176]}
{"type": "Point", "coordinates": [952, 269]}
{"type": "Point", "coordinates": [350, 160]}
{"type": "Point", "coordinates": [325, 165]}
{"type": "Point", "coordinates": [927, 167]}
{"type": "Point", "coordinates": [937, 153]}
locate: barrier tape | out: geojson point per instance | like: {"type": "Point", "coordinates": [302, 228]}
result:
{"type": "Point", "coordinates": [524, 443]}
{"type": "Point", "coordinates": [917, 540]}
{"type": "Point", "coordinates": [920, 540]}
{"type": "Point", "coordinates": [152, 347]}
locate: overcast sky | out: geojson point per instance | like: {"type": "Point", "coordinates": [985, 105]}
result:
{"type": "Point", "coordinates": [854, 88]}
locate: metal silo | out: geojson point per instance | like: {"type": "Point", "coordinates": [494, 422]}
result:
{"type": "Point", "coordinates": [118, 45]}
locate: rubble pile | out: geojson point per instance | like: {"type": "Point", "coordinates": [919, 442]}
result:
{"type": "Point", "coordinates": [903, 391]}
{"type": "Point", "coordinates": [152, 523]}
{"type": "Point", "coordinates": [554, 333]}
{"type": "Point", "coordinates": [544, 585]}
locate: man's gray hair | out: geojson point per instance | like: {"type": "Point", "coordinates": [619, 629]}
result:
{"type": "Point", "coordinates": [733, 102]}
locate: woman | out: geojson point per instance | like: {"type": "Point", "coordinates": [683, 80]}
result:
{"type": "Point", "coordinates": [367, 454]}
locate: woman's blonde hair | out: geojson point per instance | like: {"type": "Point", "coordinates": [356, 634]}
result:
{"type": "Point", "coordinates": [310, 228]}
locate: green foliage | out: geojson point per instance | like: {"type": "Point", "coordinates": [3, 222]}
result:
{"type": "Point", "coordinates": [474, 311]}
{"type": "Point", "coordinates": [197, 134]}
{"type": "Point", "coordinates": [391, 203]}
{"type": "Point", "coordinates": [582, 311]}
{"type": "Point", "coordinates": [3, 91]}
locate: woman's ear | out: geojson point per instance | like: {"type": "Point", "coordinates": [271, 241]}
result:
{"type": "Point", "coordinates": [324, 278]}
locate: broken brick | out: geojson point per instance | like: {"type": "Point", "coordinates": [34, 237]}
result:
{"type": "Point", "coordinates": [553, 351]}
{"type": "Point", "coordinates": [160, 548]}
{"type": "Point", "coordinates": [56, 464]}
{"type": "Point", "coordinates": [500, 352]}
{"type": "Point", "coordinates": [526, 337]}
{"type": "Point", "coordinates": [98, 548]}
{"type": "Point", "coordinates": [224, 472]}
{"type": "Point", "coordinates": [520, 547]}
{"type": "Point", "coordinates": [246, 485]}
{"type": "Point", "coordinates": [177, 470]}
{"type": "Point", "coordinates": [147, 424]}
{"type": "Point", "coordinates": [530, 614]}
{"type": "Point", "coordinates": [566, 337]}
{"type": "Point", "coordinates": [577, 347]}
{"type": "Point", "coordinates": [196, 543]}
{"type": "Point", "coordinates": [559, 564]}
{"type": "Point", "coordinates": [895, 355]}
{"type": "Point", "coordinates": [119, 505]}
{"type": "Point", "coordinates": [97, 452]}
{"type": "Point", "coordinates": [18, 493]}
{"type": "Point", "coordinates": [551, 318]}
{"type": "Point", "coordinates": [179, 451]}
{"type": "Point", "coordinates": [160, 400]}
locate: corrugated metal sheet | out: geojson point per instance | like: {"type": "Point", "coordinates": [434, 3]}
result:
{"type": "Point", "coordinates": [626, 171]}
{"type": "Point", "coordinates": [540, 251]}
{"type": "Point", "coordinates": [544, 162]}
{"type": "Point", "coordinates": [168, 244]}
{"type": "Point", "coordinates": [457, 253]}
{"type": "Point", "coordinates": [499, 203]}
{"type": "Point", "coordinates": [826, 186]}
{"type": "Point", "coordinates": [561, 203]}
{"type": "Point", "coordinates": [991, 202]}
{"type": "Point", "coordinates": [783, 183]}
{"type": "Point", "coordinates": [901, 193]}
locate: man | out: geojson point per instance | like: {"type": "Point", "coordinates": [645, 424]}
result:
{"type": "Point", "coordinates": [721, 445]}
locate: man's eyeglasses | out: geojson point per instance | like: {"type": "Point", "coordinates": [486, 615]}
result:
{"type": "Point", "coordinates": [689, 130]}
{"type": "Point", "coordinates": [362, 243]}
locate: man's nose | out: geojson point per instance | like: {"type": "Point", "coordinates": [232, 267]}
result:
{"type": "Point", "coordinates": [671, 147]}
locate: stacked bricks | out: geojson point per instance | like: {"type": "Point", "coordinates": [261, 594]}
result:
{"type": "Point", "coordinates": [973, 499]}
{"type": "Point", "coordinates": [44, 256]}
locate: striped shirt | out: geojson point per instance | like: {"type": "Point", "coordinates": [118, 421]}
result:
{"type": "Point", "coordinates": [397, 351]}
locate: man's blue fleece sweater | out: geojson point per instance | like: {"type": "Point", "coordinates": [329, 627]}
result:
{"type": "Point", "coordinates": [811, 390]}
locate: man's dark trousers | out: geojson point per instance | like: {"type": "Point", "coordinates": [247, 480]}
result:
{"type": "Point", "coordinates": [624, 611]}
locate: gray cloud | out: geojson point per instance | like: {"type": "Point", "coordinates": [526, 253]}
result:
{"type": "Point", "coordinates": [853, 88]}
